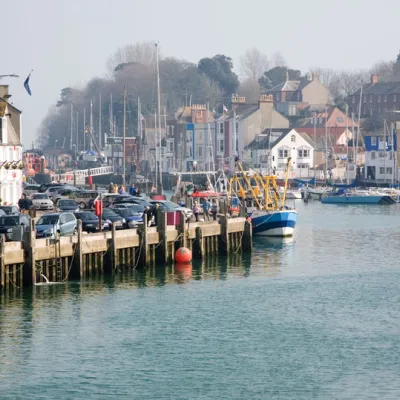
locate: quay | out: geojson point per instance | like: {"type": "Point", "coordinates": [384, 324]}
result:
{"type": "Point", "coordinates": [35, 261]}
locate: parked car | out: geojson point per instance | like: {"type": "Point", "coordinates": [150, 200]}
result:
{"type": "Point", "coordinates": [132, 206]}
{"type": "Point", "coordinates": [31, 189]}
{"type": "Point", "coordinates": [10, 210]}
{"type": "Point", "coordinates": [58, 192]}
{"type": "Point", "coordinates": [85, 198]}
{"type": "Point", "coordinates": [42, 202]}
{"type": "Point", "coordinates": [169, 206]}
{"type": "Point", "coordinates": [9, 222]}
{"type": "Point", "coordinates": [56, 224]}
{"type": "Point", "coordinates": [67, 205]}
{"type": "Point", "coordinates": [46, 186]}
{"type": "Point", "coordinates": [90, 221]}
{"type": "Point", "coordinates": [110, 198]}
{"type": "Point", "coordinates": [111, 217]}
{"type": "Point", "coordinates": [131, 217]}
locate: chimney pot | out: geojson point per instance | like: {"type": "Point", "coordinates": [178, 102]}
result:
{"type": "Point", "coordinates": [374, 79]}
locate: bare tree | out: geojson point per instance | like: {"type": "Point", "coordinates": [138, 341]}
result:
{"type": "Point", "coordinates": [250, 88]}
{"type": "Point", "coordinates": [385, 70]}
{"type": "Point", "coordinates": [253, 63]}
{"type": "Point", "coordinates": [352, 80]}
{"type": "Point", "coordinates": [142, 52]}
{"type": "Point", "coordinates": [330, 78]}
{"type": "Point", "coordinates": [277, 60]}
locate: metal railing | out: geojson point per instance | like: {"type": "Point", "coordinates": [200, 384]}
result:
{"type": "Point", "coordinates": [82, 173]}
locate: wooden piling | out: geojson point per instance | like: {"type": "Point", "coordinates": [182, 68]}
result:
{"type": "Point", "coordinates": [144, 247]}
{"type": "Point", "coordinates": [198, 245]}
{"type": "Point", "coordinates": [247, 239]}
{"type": "Point", "coordinates": [224, 245]}
{"type": "Point", "coordinates": [2, 263]}
{"type": "Point", "coordinates": [77, 270]}
{"type": "Point", "coordinates": [162, 247]}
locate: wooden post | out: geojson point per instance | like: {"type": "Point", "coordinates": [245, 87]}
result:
{"type": "Point", "coordinates": [182, 230]}
{"type": "Point", "coordinates": [224, 246]}
{"type": "Point", "coordinates": [30, 266]}
{"type": "Point", "coordinates": [162, 249]}
{"type": "Point", "coordinates": [114, 249]}
{"type": "Point", "coordinates": [144, 248]}
{"type": "Point", "coordinates": [2, 263]}
{"type": "Point", "coordinates": [247, 240]}
{"type": "Point", "coordinates": [222, 207]}
{"type": "Point", "coordinates": [198, 250]}
{"type": "Point", "coordinates": [243, 211]}
{"type": "Point", "coordinates": [77, 270]}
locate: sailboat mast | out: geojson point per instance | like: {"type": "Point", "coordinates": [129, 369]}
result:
{"type": "Point", "coordinates": [84, 129]}
{"type": "Point", "coordinates": [157, 147]}
{"type": "Point", "coordinates": [100, 138]}
{"type": "Point", "coordinates": [358, 128]}
{"type": "Point", "coordinates": [91, 124]}
{"type": "Point", "coordinates": [353, 138]}
{"type": "Point", "coordinates": [326, 143]}
{"type": "Point", "coordinates": [123, 141]}
{"type": "Point", "coordinates": [72, 127]}
{"type": "Point", "coordinates": [315, 149]}
{"type": "Point", "coordinates": [347, 146]}
{"type": "Point", "coordinates": [159, 115]}
{"type": "Point", "coordinates": [77, 133]}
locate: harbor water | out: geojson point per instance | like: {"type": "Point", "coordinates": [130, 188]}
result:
{"type": "Point", "coordinates": [313, 317]}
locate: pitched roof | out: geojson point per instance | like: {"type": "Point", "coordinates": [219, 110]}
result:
{"type": "Point", "coordinates": [242, 111]}
{"type": "Point", "coordinates": [290, 86]}
{"type": "Point", "coordinates": [262, 142]}
{"type": "Point", "coordinates": [379, 88]}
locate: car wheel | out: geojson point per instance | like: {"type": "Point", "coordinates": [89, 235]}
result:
{"type": "Point", "coordinates": [82, 205]}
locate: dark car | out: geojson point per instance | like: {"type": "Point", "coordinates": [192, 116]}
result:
{"type": "Point", "coordinates": [10, 210]}
{"type": "Point", "coordinates": [8, 222]}
{"type": "Point", "coordinates": [67, 205]}
{"type": "Point", "coordinates": [90, 221]}
{"type": "Point", "coordinates": [132, 217]}
{"type": "Point", "coordinates": [112, 217]}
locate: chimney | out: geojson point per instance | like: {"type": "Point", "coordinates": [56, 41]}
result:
{"type": "Point", "coordinates": [374, 79]}
{"type": "Point", "coordinates": [4, 92]}
{"type": "Point", "coordinates": [316, 76]}
{"type": "Point", "coordinates": [266, 98]}
{"type": "Point", "coordinates": [309, 76]}
{"type": "Point", "coordinates": [237, 100]}
{"type": "Point", "coordinates": [287, 75]}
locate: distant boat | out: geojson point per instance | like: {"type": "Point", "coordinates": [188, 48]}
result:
{"type": "Point", "coordinates": [357, 197]}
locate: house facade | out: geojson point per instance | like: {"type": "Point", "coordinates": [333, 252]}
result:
{"type": "Point", "coordinates": [290, 97]}
{"type": "Point", "coordinates": [270, 153]}
{"type": "Point", "coordinates": [381, 157]}
{"type": "Point", "coordinates": [11, 172]}
{"type": "Point", "coordinates": [377, 98]}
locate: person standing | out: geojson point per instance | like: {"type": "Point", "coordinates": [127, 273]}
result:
{"type": "Point", "coordinates": [196, 211]}
{"type": "Point", "coordinates": [22, 203]}
{"type": "Point", "coordinates": [155, 213]}
{"type": "Point", "coordinates": [214, 209]}
{"type": "Point", "coordinates": [206, 209]}
{"type": "Point", "coordinates": [132, 190]}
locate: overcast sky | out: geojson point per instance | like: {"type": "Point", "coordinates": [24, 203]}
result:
{"type": "Point", "coordinates": [68, 42]}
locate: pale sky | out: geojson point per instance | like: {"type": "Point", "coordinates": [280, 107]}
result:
{"type": "Point", "coordinates": [68, 42]}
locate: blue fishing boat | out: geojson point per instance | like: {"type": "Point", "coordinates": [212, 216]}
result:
{"type": "Point", "coordinates": [265, 202]}
{"type": "Point", "coordinates": [362, 197]}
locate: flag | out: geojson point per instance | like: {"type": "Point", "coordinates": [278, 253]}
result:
{"type": "Point", "coordinates": [26, 84]}
{"type": "Point", "coordinates": [224, 108]}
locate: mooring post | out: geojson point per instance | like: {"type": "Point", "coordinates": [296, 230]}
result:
{"type": "Point", "coordinates": [2, 268]}
{"type": "Point", "coordinates": [162, 248]}
{"type": "Point", "coordinates": [144, 248]}
{"type": "Point", "coordinates": [199, 243]}
{"type": "Point", "coordinates": [224, 238]}
{"type": "Point", "coordinates": [77, 271]}
{"type": "Point", "coordinates": [182, 230]}
{"type": "Point", "coordinates": [30, 266]}
{"type": "Point", "coordinates": [247, 240]}
{"type": "Point", "coordinates": [114, 249]}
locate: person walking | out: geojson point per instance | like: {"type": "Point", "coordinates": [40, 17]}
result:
{"type": "Point", "coordinates": [149, 215]}
{"type": "Point", "coordinates": [132, 190]}
{"type": "Point", "coordinates": [206, 209]}
{"type": "Point", "coordinates": [214, 209]}
{"type": "Point", "coordinates": [155, 213]}
{"type": "Point", "coordinates": [22, 203]}
{"type": "Point", "coordinates": [196, 211]}
{"type": "Point", "coordinates": [111, 188]}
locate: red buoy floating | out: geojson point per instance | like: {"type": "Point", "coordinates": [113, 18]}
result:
{"type": "Point", "coordinates": [184, 270]}
{"type": "Point", "coordinates": [183, 255]}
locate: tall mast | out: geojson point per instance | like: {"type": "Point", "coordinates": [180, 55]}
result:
{"type": "Point", "coordinates": [139, 131]}
{"type": "Point", "coordinates": [159, 115]}
{"type": "Point", "coordinates": [123, 141]}
{"type": "Point", "coordinates": [72, 127]}
{"type": "Point", "coordinates": [347, 146]}
{"type": "Point", "coordinates": [326, 143]}
{"type": "Point", "coordinates": [77, 133]}
{"type": "Point", "coordinates": [157, 147]}
{"type": "Point", "coordinates": [112, 133]}
{"type": "Point", "coordinates": [353, 138]}
{"type": "Point", "coordinates": [234, 136]}
{"type": "Point", "coordinates": [91, 124]}
{"type": "Point", "coordinates": [84, 129]}
{"type": "Point", "coordinates": [358, 127]}
{"type": "Point", "coordinates": [315, 150]}
{"type": "Point", "coordinates": [100, 138]}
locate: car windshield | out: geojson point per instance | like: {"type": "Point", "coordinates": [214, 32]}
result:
{"type": "Point", "coordinates": [84, 216]}
{"type": "Point", "coordinates": [136, 208]}
{"type": "Point", "coordinates": [67, 203]}
{"type": "Point", "coordinates": [9, 221]}
{"type": "Point", "coordinates": [40, 197]}
{"type": "Point", "coordinates": [7, 210]}
{"type": "Point", "coordinates": [109, 213]}
{"type": "Point", "coordinates": [47, 220]}
{"type": "Point", "coordinates": [125, 212]}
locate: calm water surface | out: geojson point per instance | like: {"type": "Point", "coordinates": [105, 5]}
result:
{"type": "Point", "coordinates": [316, 317]}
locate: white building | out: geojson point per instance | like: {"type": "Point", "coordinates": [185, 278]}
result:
{"type": "Point", "coordinates": [11, 171]}
{"type": "Point", "coordinates": [271, 153]}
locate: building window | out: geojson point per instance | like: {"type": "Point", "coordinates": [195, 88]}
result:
{"type": "Point", "coordinates": [339, 119]}
{"type": "Point", "coordinates": [221, 146]}
{"type": "Point", "coordinates": [283, 153]}
{"type": "Point", "coordinates": [379, 98]}
{"type": "Point", "coordinates": [394, 98]}
{"type": "Point", "coordinates": [221, 127]}
{"type": "Point", "coordinates": [278, 97]}
{"type": "Point", "coordinates": [382, 170]}
{"type": "Point", "coordinates": [381, 154]}
{"type": "Point", "coordinates": [371, 98]}
{"type": "Point", "coordinates": [292, 109]}
{"type": "Point", "coordinates": [199, 151]}
{"type": "Point", "coordinates": [354, 99]}
{"type": "Point", "coordinates": [171, 147]}
{"type": "Point", "coordinates": [385, 98]}
{"type": "Point", "coordinates": [373, 155]}
{"type": "Point", "coordinates": [365, 99]}
{"type": "Point", "coordinates": [298, 96]}
{"type": "Point", "coordinates": [373, 141]}
{"type": "Point", "coordinates": [293, 138]}
{"type": "Point", "coordinates": [389, 170]}
{"type": "Point", "coordinates": [303, 153]}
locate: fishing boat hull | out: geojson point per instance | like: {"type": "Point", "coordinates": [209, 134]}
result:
{"type": "Point", "coordinates": [273, 223]}
{"type": "Point", "coordinates": [357, 199]}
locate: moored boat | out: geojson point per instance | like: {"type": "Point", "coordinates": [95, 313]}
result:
{"type": "Point", "coordinates": [357, 197]}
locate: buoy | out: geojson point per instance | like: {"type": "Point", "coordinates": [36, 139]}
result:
{"type": "Point", "coordinates": [183, 255]}
{"type": "Point", "coordinates": [184, 270]}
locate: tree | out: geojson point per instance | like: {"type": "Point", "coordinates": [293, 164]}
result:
{"type": "Point", "coordinates": [141, 52]}
{"type": "Point", "coordinates": [220, 69]}
{"type": "Point", "coordinates": [385, 70]}
{"type": "Point", "coordinates": [277, 60]}
{"type": "Point", "coordinates": [253, 63]}
{"type": "Point", "coordinates": [277, 75]}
